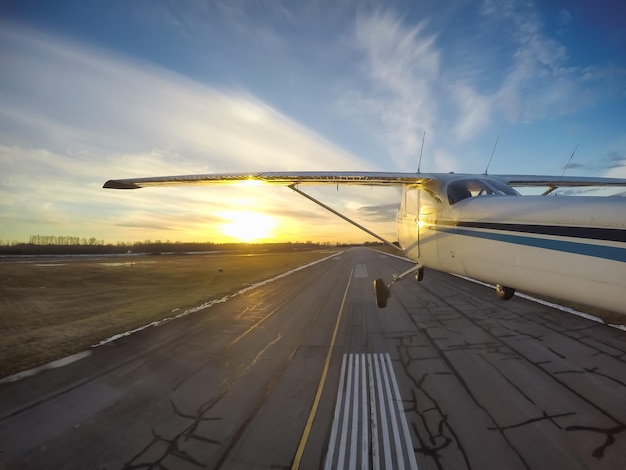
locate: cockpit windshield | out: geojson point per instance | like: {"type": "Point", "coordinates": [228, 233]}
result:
{"type": "Point", "coordinates": [463, 189]}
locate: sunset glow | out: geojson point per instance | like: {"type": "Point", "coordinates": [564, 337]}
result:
{"type": "Point", "coordinates": [248, 227]}
{"type": "Point", "coordinates": [198, 88]}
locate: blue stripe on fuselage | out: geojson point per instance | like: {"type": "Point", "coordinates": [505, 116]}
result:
{"type": "Point", "coordinates": [599, 251]}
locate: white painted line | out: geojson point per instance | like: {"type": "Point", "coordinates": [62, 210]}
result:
{"type": "Point", "coordinates": [405, 427]}
{"type": "Point", "coordinates": [548, 304]}
{"type": "Point", "coordinates": [213, 302]}
{"type": "Point", "coordinates": [383, 415]}
{"type": "Point", "coordinates": [64, 361]}
{"type": "Point", "coordinates": [354, 432]}
{"type": "Point", "coordinates": [344, 427]}
{"type": "Point", "coordinates": [528, 297]}
{"type": "Point", "coordinates": [392, 414]}
{"type": "Point", "coordinates": [364, 417]}
{"type": "Point", "coordinates": [403, 258]}
{"type": "Point", "coordinates": [373, 418]}
{"type": "Point", "coordinates": [360, 271]}
{"type": "Point", "coordinates": [370, 410]}
{"type": "Point", "coordinates": [79, 355]}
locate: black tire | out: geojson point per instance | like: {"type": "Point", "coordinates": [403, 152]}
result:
{"type": "Point", "coordinates": [503, 292]}
{"type": "Point", "coordinates": [419, 275]}
{"type": "Point", "coordinates": [382, 293]}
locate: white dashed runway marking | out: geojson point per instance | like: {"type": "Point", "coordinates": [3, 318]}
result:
{"type": "Point", "coordinates": [360, 271]}
{"type": "Point", "coordinates": [369, 427]}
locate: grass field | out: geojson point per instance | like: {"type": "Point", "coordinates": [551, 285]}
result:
{"type": "Point", "coordinates": [53, 307]}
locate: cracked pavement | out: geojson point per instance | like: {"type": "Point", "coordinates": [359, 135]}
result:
{"type": "Point", "coordinates": [484, 384]}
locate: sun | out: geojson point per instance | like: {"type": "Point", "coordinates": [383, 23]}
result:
{"type": "Point", "coordinates": [248, 226]}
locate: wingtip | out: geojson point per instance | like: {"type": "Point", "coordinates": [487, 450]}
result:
{"type": "Point", "coordinates": [120, 184]}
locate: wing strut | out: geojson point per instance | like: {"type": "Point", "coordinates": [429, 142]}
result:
{"type": "Point", "coordinates": [347, 219]}
{"type": "Point", "coordinates": [549, 190]}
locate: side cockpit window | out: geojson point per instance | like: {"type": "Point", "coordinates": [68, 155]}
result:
{"type": "Point", "coordinates": [457, 191]}
{"type": "Point", "coordinates": [463, 189]}
{"type": "Point", "coordinates": [502, 188]}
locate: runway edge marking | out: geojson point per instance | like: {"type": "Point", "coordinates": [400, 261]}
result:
{"type": "Point", "coordinates": [82, 354]}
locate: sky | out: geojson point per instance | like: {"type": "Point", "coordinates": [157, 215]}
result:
{"type": "Point", "coordinates": [91, 91]}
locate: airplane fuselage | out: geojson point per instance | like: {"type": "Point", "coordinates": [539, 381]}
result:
{"type": "Point", "coordinates": [571, 248]}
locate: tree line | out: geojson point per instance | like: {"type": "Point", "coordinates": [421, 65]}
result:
{"type": "Point", "coordinates": [63, 240]}
{"type": "Point", "coordinates": [68, 245]}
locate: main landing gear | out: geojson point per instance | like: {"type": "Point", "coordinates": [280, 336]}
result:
{"type": "Point", "coordinates": [382, 291]}
{"type": "Point", "coordinates": [503, 292]}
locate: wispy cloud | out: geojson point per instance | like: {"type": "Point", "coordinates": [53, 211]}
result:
{"type": "Point", "coordinates": [503, 67]}
{"type": "Point", "coordinates": [573, 166]}
{"type": "Point", "coordinates": [401, 66]}
{"type": "Point", "coordinates": [564, 17]}
{"type": "Point", "coordinates": [381, 212]}
{"type": "Point", "coordinates": [540, 83]}
{"type": "Point", "coordinates": [372, 76]}
{"type": "Point", "coordinates": [198, 18]}
{"type": "Point", "coordinates": [475, 112]}
{"type": "Point", "coordinates": [73, 116]}
{"type": "Point", "coordinates": [96, 101]}
{"type": "Point", "coordinates": [615, 162]}
{"type": "Point", "coordinates": [612, 164]}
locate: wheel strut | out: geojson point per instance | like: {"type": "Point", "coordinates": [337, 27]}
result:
{"type": "Point", "coordinates": [383, 291]}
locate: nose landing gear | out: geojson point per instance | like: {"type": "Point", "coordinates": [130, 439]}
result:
{"type": "Point", "coordinates": [382, 291]}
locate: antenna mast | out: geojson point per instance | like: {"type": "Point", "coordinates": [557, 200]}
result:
{"type": "Point", "coordinates": [569, 161]}
{"type": "Point", "coordinates": [422, 149]}
{"type": "Point", "coordinates": [492, 152]}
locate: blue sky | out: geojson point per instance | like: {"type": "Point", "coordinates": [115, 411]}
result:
{"type": "Point", "coordinates": [96, 90]}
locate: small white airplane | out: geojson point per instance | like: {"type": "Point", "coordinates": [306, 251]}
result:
{"type": "Point", "coordinates": [570, 248]}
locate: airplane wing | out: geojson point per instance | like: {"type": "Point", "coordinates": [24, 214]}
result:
{"type": "Point", "coordinates": [558, 182]}
{"type": "Point", "coordinates": [368, 178]}
{"type": "Point", "coordinates": [280, 178]}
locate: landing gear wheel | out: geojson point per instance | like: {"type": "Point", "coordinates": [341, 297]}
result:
{"type": "Point", "coordinates": [505, 293]}
{"type": "Point", "coordinates": [382, 293]}
{"type": "Point", "coordinates": [419, 275]}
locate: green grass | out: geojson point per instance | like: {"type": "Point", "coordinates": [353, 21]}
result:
{"type": "Point", "coordinates": [48, 311]}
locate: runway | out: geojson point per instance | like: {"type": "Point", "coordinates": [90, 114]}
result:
{"type": "Point", "coordinates": [306, 372]}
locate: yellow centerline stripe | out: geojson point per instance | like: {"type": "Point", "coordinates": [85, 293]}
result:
{"type": "Point", "coordinates": [320, 387]}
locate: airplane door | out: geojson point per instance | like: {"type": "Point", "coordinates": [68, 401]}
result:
{"type": "Point", "coordinates": [429, 208]}
{"type": "Point", "coordinates": [448, 248]}
{"type": "Point", "coordinates": [407, 222]}
{"type": "Point", "coordinates": [418, 214]}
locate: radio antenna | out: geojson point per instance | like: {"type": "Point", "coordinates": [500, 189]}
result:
{"type": "Point", "coordinates": [421, 150]}
{"type": "Point", "coordinates": [569, 161]}
{"type": "Point", "coordinates": [564, 169]}
{"type": "Point", "coordinates": [492, 152]}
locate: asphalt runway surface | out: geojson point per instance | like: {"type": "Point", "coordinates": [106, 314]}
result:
{"type": "Point", "coordinates": [306, 372]}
